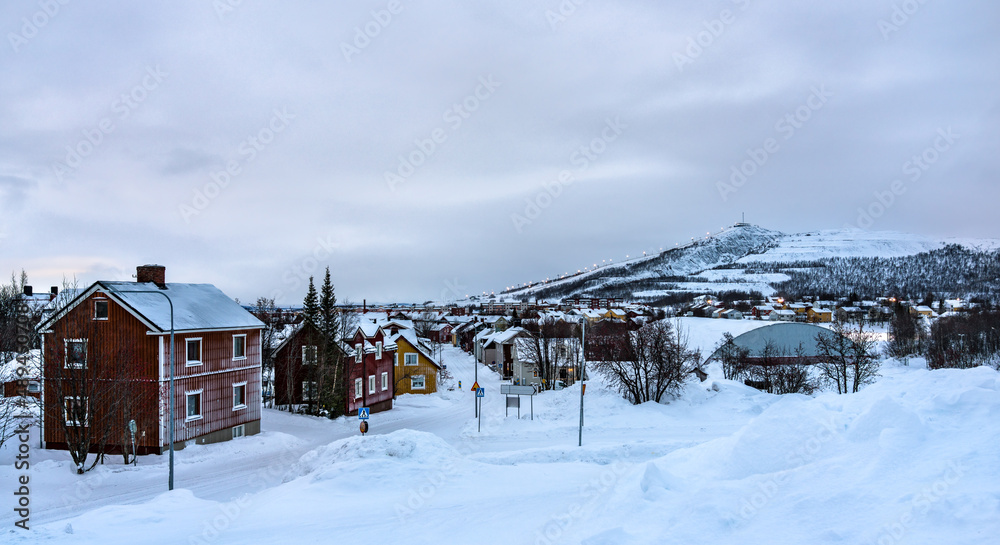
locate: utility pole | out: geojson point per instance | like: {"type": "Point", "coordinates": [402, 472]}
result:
{"type": "Point", "coordinates": [583, 370]}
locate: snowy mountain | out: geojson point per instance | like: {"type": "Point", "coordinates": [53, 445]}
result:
{"type": "Point", "coordinates": [748, 258]}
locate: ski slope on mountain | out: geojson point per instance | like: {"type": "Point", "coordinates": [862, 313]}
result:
{"type": "Point", "coordinates": [727, 261]}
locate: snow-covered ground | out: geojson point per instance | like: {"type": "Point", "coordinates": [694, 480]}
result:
{"type": "Point", "coordinates": [910, 459]}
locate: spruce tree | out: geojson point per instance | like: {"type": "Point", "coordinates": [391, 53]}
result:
{"type": "Point", "coordinates": [310, 306]}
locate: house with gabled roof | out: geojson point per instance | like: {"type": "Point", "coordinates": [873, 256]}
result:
{"type": "Point", "coordinates": [371, 357]}
{"type": "Point", "coordinates": [119, 333]}
{"type": "Point", "coordinates": [416, 371]}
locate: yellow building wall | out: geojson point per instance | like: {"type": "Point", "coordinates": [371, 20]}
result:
{"type": "Point", "coordinates": [423, 367]}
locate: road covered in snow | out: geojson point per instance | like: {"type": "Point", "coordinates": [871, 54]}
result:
{"type": "Point", "coordinates": [910, 459]}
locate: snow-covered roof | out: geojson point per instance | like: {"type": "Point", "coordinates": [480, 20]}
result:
{"type": "Point", "coordinates": [8, 371]}
{"type": "Point", "coordinates": [411, 338]}
{"type": "Point", "coordinates": [196, 307]}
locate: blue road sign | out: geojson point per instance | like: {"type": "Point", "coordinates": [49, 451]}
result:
{"type": "Point", "coordinates": [481, 392]}
{"type": "Point", "coordinates": [363, 413]}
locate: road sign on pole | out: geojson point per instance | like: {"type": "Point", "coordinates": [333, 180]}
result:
{"type": "Point", "coordinates": [480, 392]}
{"type": "Point", "coordinates": [363, 413]}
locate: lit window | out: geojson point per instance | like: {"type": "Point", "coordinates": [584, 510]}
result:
{"type": "Point", "coordinates": [101, 309]}
{"type": "Point", "coordinates": [239, 347]}
{"type": "Point", "coordinates": [357, 388]}
{"type": "Point", "coordinates": [194, 405]}
{"type": "Point", "coordinates": [417, 382]}
{"type": "Point", "coordinates": [193, 351]}
{"type": "Point", "coordinates": [240, 396]}
{"type": "Point", "coordinates": [410, 359]}
{"type": "Point", "coordinates": [76, 353]}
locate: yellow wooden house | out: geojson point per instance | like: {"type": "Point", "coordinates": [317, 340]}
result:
{"type": "Point", "coordinates": [819, 315]}
{"type": "Point", "coordinates": [416, 372]}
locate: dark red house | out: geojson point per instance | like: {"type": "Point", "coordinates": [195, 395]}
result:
{"type": "Point", "coordinates": [371, 361]}
{"type": "Point", "coordinates": [296, 366]}
{"type": "Point", "coordinates": [106, 360]}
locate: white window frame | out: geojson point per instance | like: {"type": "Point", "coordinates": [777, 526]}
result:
{"type": "Point", "coordinates": [239, 431]}
{"type": "Point", "coordinates": [306, 360]}
{"type": "Point", "coordinates": [359, 352]}
{"type": "Point", "coordinates": [308, 390]}
{"type": "Point", "coordinates": [378, 350]}
{"type": "Point", "coordinates": [241, 406]}
{"type": "Point", "coordinates": [385, 381]}
{"type": "Point", "coordinates": [371, 384]}
{"type": "Point", "coordinates": [189, 362]}
{"type": "Point", "coordinates": [415, 359]}
{"type": "Point", "coordinates": [244, 337]}
{"type": "Point", "coordinates": [359, 385]}
{"type": "Point", "coordinates": [397, 359]}
{"type": "Point", "coordinates": [106, 302]}
{"type": "Point", "coordinates": [86, 411]}
{"type": "Point", "coordinates": [187, 408]}
{"type": "Point", "coordinates": [66, 363]}
{"type": "Point", "coordinates": [413, 382]}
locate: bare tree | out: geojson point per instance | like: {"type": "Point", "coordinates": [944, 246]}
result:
{"type": "Point", "coordinates": [655, 361]}
{"type": "Point", "coordinates": [848, 358]}
{"type": "Point", "coordinates": [94, 386]}
{"type": "Point", "coordinates": [266, 311]}
{"type": "Point", "coordinates": [549, 345]}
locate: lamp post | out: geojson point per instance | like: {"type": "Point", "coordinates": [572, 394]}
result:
{"type": "Point", "coordinates": [583, 370]}
{"type": "Point", "coordinates": [170, 479]}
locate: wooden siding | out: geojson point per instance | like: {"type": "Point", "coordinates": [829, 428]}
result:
{"type": "Point", "coordinates": [424, 367]}
{"type": "Point", "coordinates": [105, 339]}
{"type": "Point", "coordinates": [151, 367]}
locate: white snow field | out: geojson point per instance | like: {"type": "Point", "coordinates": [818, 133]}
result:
{"type": "Point", "coordinates": [912, 458]}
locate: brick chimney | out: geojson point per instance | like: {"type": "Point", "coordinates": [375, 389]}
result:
{"type": "Point", "coordinates": [156, 274]}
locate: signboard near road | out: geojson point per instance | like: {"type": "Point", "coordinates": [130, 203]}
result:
{"type": "Point", "coordinates": [480, 392]}
{"type": "Point", "coordinates": [363, 413]}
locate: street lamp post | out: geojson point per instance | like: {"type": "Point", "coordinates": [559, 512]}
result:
{"type": "Point", "coordinates": [583, 370]}
{"type": "Point", "coordinates": [170, 479]}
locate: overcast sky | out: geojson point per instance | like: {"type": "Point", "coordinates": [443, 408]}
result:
{"type": "Point", "coordinates": [400, 143]}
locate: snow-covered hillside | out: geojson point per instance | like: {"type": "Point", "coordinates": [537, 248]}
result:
{"type": "Point", "coordinates": [732, 259]}
{"type": "Point", "coordinates": [910, 459]}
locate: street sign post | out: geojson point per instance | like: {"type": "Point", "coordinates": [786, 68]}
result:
{"type": "Point", "coordinates": [363, 413]}
{"type": "Point", "coordinates": [475, 402]}
{"type": "Point", "coordinates": [364, 427]}
{"type": "Point", "coordinates": [480, 394]}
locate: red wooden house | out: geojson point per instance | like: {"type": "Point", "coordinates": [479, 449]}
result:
{"type": "Point", "coordinates": [106, 360]}
{"type": "Point", "coordinates": [370, 364]}
{"type": "Point", "coordinates": [297, 359]}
